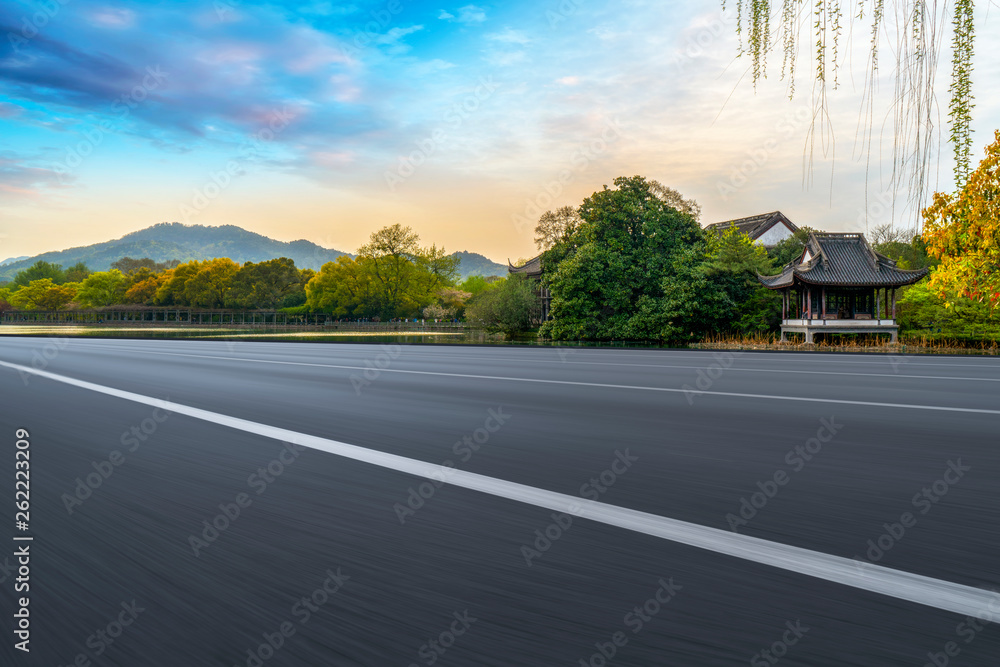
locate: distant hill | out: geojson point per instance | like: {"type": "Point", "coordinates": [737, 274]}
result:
{"type": "Point", "coordinates": [474, 264]}
{"type": "Point", "coordinates": [173, 240]}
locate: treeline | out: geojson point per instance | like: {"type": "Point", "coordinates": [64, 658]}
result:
{"type": "Point", "coordinates": [392, 277]}
{"type": "Point", "coordinates": [633, 263]}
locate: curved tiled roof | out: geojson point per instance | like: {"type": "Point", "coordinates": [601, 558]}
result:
{"type": "Point", "coordinates": [754, 225]}
{"type": "Point", "coordinates": [533, 267]}
{"type": "Point", "coordinates": [843, 260]}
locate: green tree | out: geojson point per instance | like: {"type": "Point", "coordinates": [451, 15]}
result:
{"type": "Point", "coordinates": [40, 270]}
{"type": "Point", "coordinates": [390, 256]}
{"type": "Point", "coordinates": [510, 308]}
{"type": "Point", "coordinates": [790, 249]}
{"type": "Point", "coordinates": [42, 294]}
{"type": "Point", "coordinates": [909, 251]}
{"type": "Point", "coordinates": [344, 288]}
{"type": "Point", "coordinates": [474, 285]}
{"type": "Point", "coordinates": [104, 288]}
{"type": "Point", "coordinates": [733, 264]}
{"type": "Point", "coordinates": [922, 307]}
{"type": "Point", "coordinates": [128, 265]}
{"type": "Point", "coordinates": [209, 287]}
{"type": "Point", "coordinates": [617, 259]}
{"type": "Point", "coordinates": [690, 303]}
{"type": "Point", "coordinates": [77, 273]}
{"type": "Point", "coordinates": [269, 284]}
{"type": "Point", "coordinates": [173, 288]}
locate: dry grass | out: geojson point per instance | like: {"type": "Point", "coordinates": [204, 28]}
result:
{"type": "Point", "coordinates": [877, 344]}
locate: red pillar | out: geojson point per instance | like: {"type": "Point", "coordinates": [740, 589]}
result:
{"type": "Point", "coordinates": [809, 303]}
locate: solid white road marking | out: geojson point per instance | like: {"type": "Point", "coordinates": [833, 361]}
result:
{"type": "Point", "coordinates": [651, 365]}
{"type": "Point", "coordinates": [770, 397]}
{"type": "Point", "coordinates": [957, 598]}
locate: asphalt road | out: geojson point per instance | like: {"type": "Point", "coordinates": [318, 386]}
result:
{"type": "Point", "coordinates": [901, 451]}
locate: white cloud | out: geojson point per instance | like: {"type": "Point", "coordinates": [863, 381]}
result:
{"type": "Point", "coordinates": [444, 15]}
{"type": "Point", "coordinates": [110, 17]}
{"type": "Point", "coordinates": [509, 36]}
{"type": "Point", "coordinates": [471, 14]}
{"type": "Point", "coordinates": [568, 81]}
{"type": "Point", "coordinates": [430, 67]}
{"type": "Point", "coordinates": [393, 39]}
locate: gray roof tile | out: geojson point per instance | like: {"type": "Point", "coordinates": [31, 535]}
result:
{"type": "Point", "coordinates": [843, 260]}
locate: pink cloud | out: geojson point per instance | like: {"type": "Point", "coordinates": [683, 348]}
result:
{"type": "Point", "coordinates": [334, 159]}
{"type": "Point", "coordinates": [8, 110]}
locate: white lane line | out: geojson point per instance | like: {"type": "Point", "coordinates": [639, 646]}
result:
{"type": "Point", "coordinates": [673, 366]}
{"type": "Point", "coordinates": [672, 390]}
{"type": "Point", "coordinates": [946, 595]}
{"type": "Point", "coordinates": [985, 362]}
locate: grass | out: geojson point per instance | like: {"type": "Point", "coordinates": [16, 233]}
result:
{"type": "Point", "coordinates": [912, 342]}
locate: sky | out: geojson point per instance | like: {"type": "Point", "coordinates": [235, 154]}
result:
{"type": "Point", "coordinates": [329, 120]}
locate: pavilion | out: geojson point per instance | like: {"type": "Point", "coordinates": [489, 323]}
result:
{"type": "Point", "coordinates": [533, 270]}
{"type": "Point", "coordinates": [839, 285]}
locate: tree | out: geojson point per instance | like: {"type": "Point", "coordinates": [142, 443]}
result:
{"type": "Point", "coordinates": [553, 227]}
{"type": "Point", "coordinates": [510, 308]}
{"type": "Point", "coordinates": [391, 253]}
{"type": "Point", "coordinates": [436, 311]}
{"type": "Point", "coordinates": [474, 285]}
{"type": "Point", "coordinates": [439, 268]}
{"type": "Point", "coordinates": [42, 294]}
{"type": "Point", "coordinates": [963, 231]}
{"type": "Point", "coordinates": [267, 284]}
{"type": "Point", "coordinates": [675, 199]}
{"type": "Point", "coordinates": [690, 304]}
{"type": "Point", "coordinates": [789, 249]}
{"type": "Point", "coordinates": [733, 264]}
{"type": "Point", "coordinates": [172, 290]}
{"type": "Point", "coordinates": [909, 250]}
{"type": "Point", "coordinates": [77, 273]}
{"type": "Point", "coordinates": [40, 270]}
{"type": "Point", "coordinates": [143, 291]}
{"type": "Point", "coordinates": [918, 30]}
{"type": "Point", "coordinates": [129, 265]}
{"type": "Point", "coordinates": [620, 255]}
{"type": "Point", "coordinates": [104, 288]}
{"type": "Point", "coordinates": [345, 288]}
{"type": "Point", "coordinates": [732, 250]}
{"type": "Point", "coordinates": [922, 307]}
{"type": "Point", "coordinates": [209, 287]}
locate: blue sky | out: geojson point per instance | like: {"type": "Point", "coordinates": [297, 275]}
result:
{"type": "Point", "coordinates": [329, 120]}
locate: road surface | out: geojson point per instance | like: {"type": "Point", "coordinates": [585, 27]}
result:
{"type": "Point", "coordinates": [221, 503]}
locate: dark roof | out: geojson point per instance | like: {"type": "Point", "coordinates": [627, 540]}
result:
{"type": "Point", "coordinates": [843, 260]}
{"type": "Point", "coordinates": [531, 268]}
{"type": "Point", "coordinates": [755, 225]}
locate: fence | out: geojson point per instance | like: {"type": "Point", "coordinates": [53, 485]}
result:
{"type": "Point", "coordinates": [219, 318]}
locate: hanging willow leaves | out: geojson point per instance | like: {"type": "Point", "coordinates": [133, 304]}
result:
{"type": "Point", "coordinates": [960, 108]}
{"type": "Point", "coordinates": [916, 29]}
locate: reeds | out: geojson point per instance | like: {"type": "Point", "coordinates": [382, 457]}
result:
{"type": "Point", "coordinates": [909, 344]}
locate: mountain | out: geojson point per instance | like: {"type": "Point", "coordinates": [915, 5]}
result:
{"type": "Point", "coordinates": [474, 264]}
{"type": "Point", "coordinates": [173, 240]}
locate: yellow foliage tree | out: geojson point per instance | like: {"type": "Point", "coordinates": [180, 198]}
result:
{"type": "Point", "coordinates": [963, 231]}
